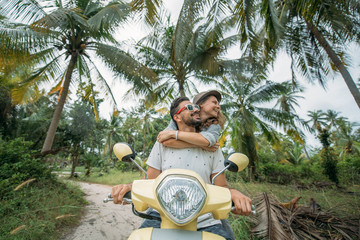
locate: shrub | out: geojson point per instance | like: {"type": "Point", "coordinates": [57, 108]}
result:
{"type": "Point", "coordinates": [289, 173]}
{"type": "Point", "coordinates": [17, 165]}
{"type": "Point", "coordinates": [349, 170]}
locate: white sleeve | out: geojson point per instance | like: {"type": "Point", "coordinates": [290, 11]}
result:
{"type": "Point", "coordinates": [155, 156]}
{"type": "Point", "coordinates": [219, 160]}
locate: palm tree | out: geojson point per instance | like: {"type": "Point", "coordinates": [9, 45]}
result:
{"type": "Point", "coordinates": [344, 137]}
{"type": "Point", "coordinates": [286, 103]}
{"type": "Point", "coordinates": [289, 98]}
{"type": "Point", "coordinates": [69, 31]}
{"type": "Point", "coordinates": [190, 50]}
{"type": "Point", "coordinates": [113, 134]}
{"type": "Point", "coordinates": [317, 118]}
{"type": "Point", "coordinates": [332, 117]}
{"type": "Point", "coordinates": [314, 28]}
{"type": "Point", "coordinates": [312, 33]}
{"type": "Point", "coordinates": [243, 102]}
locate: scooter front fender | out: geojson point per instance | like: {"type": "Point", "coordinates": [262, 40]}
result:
{"type": "Point", "coordinates": [173, 234]}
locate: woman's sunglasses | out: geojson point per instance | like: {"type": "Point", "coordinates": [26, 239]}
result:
{"type": "Point", "coordinates": [189, 107]}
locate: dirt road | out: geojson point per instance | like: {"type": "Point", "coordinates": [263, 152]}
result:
{"type": "Point", "coordinates": [103, 220]}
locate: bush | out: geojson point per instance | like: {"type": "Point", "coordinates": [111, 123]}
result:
{"type": "Point", "coordinates": [17, 165]}
{"type": "Point", "coordinates": [349, 170]}
{"type": "Point", "coordinates": [289, 173]}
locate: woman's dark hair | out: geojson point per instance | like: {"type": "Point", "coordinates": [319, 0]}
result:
{"type": "Point", "coordinates": [174, 107]}
{"type": "Point", "coordinates": [218, 120]}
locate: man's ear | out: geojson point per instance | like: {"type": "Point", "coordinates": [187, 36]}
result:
{"type": "Point", "coordinates": [177, 118]}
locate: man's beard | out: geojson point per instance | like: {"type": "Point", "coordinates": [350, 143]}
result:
{"type": "Point", "coordinates": [191, 121]}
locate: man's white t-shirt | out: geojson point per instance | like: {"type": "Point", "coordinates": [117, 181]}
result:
{"type": "Point", "coordinates": [198, 160]}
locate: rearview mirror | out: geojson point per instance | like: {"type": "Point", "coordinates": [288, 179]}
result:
{"type": "Point", "coordinates": [237, 162]}
{"type": "Point", "coordinates": [124, 152]}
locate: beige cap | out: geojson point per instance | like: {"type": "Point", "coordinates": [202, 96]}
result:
{"type": "Point", "coordinates": [200, 96]}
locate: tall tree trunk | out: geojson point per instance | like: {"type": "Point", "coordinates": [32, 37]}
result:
{"type": "Point", "coordinates": [250, 147]}
{"type": "Point", "coordinates": [59, 107]}
{"type": "Point", "coordinates": [336, 60]}
{"type": "Point", "coordinates": [306, 152]}
{"type": "Point", "coordinates": [74, 164]}
{"type": "Point", "coordinates": [181, 89]}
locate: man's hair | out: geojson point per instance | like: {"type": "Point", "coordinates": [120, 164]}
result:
{"type": "Point", "coordinates": [174, 107]}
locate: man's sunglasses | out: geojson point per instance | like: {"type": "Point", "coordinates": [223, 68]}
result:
{"type": "Point", "coordinates": [189, 107]}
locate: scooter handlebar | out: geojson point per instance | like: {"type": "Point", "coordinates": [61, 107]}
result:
{"type": "Point", "coordinates": [253, 210]}
{"type": "Point", "coordinates": [126, 198]}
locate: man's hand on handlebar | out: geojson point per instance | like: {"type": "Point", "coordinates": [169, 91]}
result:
{"type": "Point", "coordinates": [118, 192]}
{"type": "Point", "coordinates": [242, 203]}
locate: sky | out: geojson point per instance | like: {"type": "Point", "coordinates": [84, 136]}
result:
{"type": "Point", "coordinates": [336, 96]}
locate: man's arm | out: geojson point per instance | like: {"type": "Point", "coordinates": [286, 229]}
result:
{"type": "Point", "coordinates": [118, 191]}
{"type": "Point", "coordinates": [242, 202]}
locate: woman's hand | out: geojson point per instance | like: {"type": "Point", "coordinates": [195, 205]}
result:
{"type": "Point", "coordinates": [166, 135]}
{"type": "Point", "coordinates": [213, 148]}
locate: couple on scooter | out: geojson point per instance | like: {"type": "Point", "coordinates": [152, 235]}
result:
{"type": "Point", "coordinates": [184, 148]}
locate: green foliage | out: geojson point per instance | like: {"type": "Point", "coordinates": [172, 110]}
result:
{"type": "Point", "coordinates": [290, 174]}
{"type": "Point", "coordinates": [241, 227]}
{"type": "Point", "coordinates": [37, 206]}
{"type": "Point", "coordinates": [124, 166]}
{"type": "Point", "coordinates": [114, 177]}
{"type": "Point", "coordinates": [328, 157]}
{"type": "Point", "coordinates": [17, 165]}
{"type": "Point", "coordinates": [90, 160]}
{"type": "Point", "coordinates": [349, 170]}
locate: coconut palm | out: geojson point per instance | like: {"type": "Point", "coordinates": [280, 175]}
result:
{"type": "Point", "coordinates": [243, 102]}
{"type": "Point", "coordinates": [314, 33]}
{"type": "Point", "coordinates": [316, 36]}
{"type": "Point", "coordinates": [286, 103]}
{"type": "Point", "coordinates": [191, 50]}
{"type": "Point", "coordinates": [113, 136]}
{"type": "Point", "coordinates": [317, 118]}
{"type": "Point", "coordinates": [67, 32]}
{"type": "Point", "coordinates": [344, 138]}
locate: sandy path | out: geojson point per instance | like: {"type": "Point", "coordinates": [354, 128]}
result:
{"type": "Point", "coordinates": [103, 220]}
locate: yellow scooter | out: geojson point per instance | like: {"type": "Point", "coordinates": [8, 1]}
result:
{"type": "Point", "coordinates": [180, 196]}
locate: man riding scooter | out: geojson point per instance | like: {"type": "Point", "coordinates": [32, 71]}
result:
{"type": "Point", "coordinates": [206, 164]}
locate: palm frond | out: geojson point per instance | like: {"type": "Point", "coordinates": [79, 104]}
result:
{"type": "Point", "coordinates": [23, 10]}
{"type": "Point", "coordinates": [269, 219]}
{"type": "Point", "coordinates": [147, 8]}
{"type": "Point", "coordinates": [126, 65]}
{"type": "Point", "coordinates": [108, 18]}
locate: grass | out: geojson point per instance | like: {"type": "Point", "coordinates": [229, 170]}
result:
{"type": "Point", "coordinates": [114, 177]}
{"type": "Point", "coordinates": [40, 210]}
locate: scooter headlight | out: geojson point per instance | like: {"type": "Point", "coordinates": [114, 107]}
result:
{"type": "Point", "coordinates": [182, 197]}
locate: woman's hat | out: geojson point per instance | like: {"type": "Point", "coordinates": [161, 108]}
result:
{"type": "Point", "coordinates": [200, 96]}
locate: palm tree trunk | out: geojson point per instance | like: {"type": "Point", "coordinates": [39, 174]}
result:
{"type": "Point", "coordinates": [336, 60]}
{"type": "Point", "coordinates": [181, 89]}
{"type": "Point", "coordinates": [252, 154]}
{"type": "Point", "coordinates": [59, 107]}
{"type": "Point", "coordinates": [306, 152]}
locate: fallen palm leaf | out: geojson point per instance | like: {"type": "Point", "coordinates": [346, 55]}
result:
{"type": "Point", "coordinates": [65, 216]}
{"type": "Point", "coordinates": [17, 229]}
{"type": "Point", "coordinates": [277, 220]}
{"type": "Point", "coordinates": [24, 183]}
{"type": "Point", "coordinates": [269, 219]}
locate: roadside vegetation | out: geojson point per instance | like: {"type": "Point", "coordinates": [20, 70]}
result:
{"type": "Point", "coordinates": [33, 203]}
